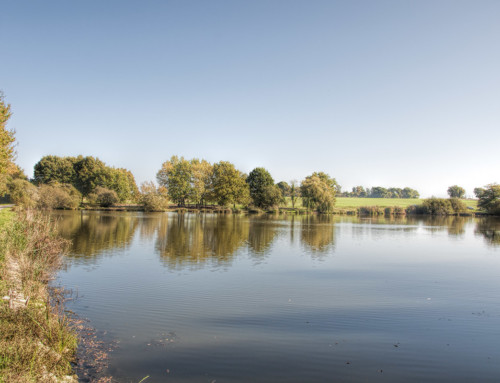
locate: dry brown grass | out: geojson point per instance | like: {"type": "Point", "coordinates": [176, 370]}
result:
{"type": "Point", "coordinates": [37, 343]}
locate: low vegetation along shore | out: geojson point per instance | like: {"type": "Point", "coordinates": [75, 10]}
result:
{"type": "Point", "coordinates": [343, 206]}
{"type": "Point", "coordinates": [37, 343]}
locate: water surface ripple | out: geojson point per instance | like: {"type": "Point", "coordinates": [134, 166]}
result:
{"type": "Point", "coordinates": [227, 298]}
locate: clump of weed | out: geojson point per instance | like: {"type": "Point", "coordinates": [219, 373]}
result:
{"type": "Point", "coordinates": [36, 340]}
{"type": "Point", "coordinates": [371, 210]}
{"type": "Point", "coordinates": [58, 196]}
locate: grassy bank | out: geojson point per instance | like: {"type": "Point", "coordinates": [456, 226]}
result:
{"type": "Point", "coordinates": [5, 216]}
{"type": "Point", "coordinates": [37, 343]}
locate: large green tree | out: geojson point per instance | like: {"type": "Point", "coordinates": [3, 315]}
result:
{"type": "Point", "coordinates": [478, 192]}
{"type": "Point", "coordinates": [121, 181]}
{"type": "Point", "coordinates": [359, 191]}
{"type": "Point", "coordinates": [284, 187]}
{"type": "Point", "coordinates": [176, 175]}
{"type": "Point", "coordinates": [52, 169]}
{"type": "Point", "coordinates": [489, 199]}
{"type": "Point", "coordinates": [262, 189]}
{"type": "Point", "coordinates": [456, 191]}
{"type": "Point", "coordinates": [318, 192]}
{"type": "Point", "coordinates": [228, 185]}
{"type": "Point", "coordinates": [395, 192]}
{"type": "Point", "coordinates": [410, 193]}
{"type": "Point", "coordinates": [90, 172]}
{"type": "Point", "coordinates": [201, 181]}
{"type": "Point", "coordinates": [379, 192]}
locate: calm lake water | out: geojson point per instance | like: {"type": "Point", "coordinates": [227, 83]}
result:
{"type": "Point", "coordinates": [225, 298]}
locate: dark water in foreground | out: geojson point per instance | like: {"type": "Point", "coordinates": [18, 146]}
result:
{"type": "Point", "coordinates": [214, 298]}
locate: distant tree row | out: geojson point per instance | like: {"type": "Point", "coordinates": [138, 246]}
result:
{"type": "Point", "coordinates": [381, 192]}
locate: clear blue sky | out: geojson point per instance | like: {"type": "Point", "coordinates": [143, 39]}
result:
{"type": "Point", "coordinates": [389, 93]}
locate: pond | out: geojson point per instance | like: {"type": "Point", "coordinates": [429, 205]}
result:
{"type": "Point", "coordinates": [234, 298]}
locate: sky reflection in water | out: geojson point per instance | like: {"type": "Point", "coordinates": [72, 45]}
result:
{"type": "Point", "coordinates": [198, 298]}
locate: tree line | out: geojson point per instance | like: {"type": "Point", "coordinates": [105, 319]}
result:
{"type": "Point", "coordinates": [66, 182]}
{"type": "Point", "coordinates": [200, 182]}
{"type": "Point", "coordinates": [381, 192]}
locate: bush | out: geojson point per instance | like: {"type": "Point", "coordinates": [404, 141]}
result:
{"type": "Point", "coordinates": [153, 198]}
{"type": "Point", "coordinates": [105, 197]}
{"type": "Point", "coordinates": [398, 210]}
{"type": "Point", "coordinates": [415, 209]}
{"type": "Point", "coordinates": [371, 210]}
{"type": "Point", "coordinates": [437, 206]}
{"type": "Point", "coordinates": [395, 210]}
{"type": "Point", "coordinates": [91, 199]}
{"type": "Point", "coordinates": [458, 205]}
{"type": "Point", "coordinates": [58, 196]}
{"type": "Point", "coordinates": [441, 206]}
{"type": "Point", "coordinates": [22, 193]}
{"type": "Point", "coordinates": [154, 202]}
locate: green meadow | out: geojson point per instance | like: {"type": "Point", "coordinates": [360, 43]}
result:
{"type": "Point", "coordinates": [346, 202]}
{"type": "Point", "coordinates": [353, 202]}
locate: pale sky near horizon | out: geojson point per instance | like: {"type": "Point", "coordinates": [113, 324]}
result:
{"type": "Point", "coordinates": [374, 93]}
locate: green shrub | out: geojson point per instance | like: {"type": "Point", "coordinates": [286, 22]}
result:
{"type": "Point", "coordinates": [437, 206]}
{"type": "Point", "coordinates": [153, 198]}
{"type": "Point", "coordinates": [254, 210]}
{"type": "Point", "coordinates": [489, 199]}
{"type": "Point", "coordinates": [395, 210]}
{"type": "Point", "coordinates": [415, 209]}
{"type": "Point", "coordinates": [23, 193]}
{"type": "Point", "coordinates": [58, 196]}
{"type": "Point", "coordinates": [105, 197]}
{"type": "Point", "coordinates": [371, 210]}
{"type": "Point", "coordinates": [91, 199]}
{"type": "Point", "coordinates": [154, 202]}
{"type": "Point", "coordinates": [399, 210]}
{"type": "Point", "coordinates": [442, 206]}
{"type": "Point", "coordinates": [458, 205]}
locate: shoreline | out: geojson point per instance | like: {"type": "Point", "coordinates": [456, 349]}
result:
{"type": "Point", "coordinates": [362, 211]}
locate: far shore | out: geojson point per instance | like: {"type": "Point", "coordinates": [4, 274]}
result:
{"type": "Point", "coordinates": [369, 210]}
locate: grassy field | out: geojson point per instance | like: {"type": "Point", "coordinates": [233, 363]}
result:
{"type": "Point", "coordinates": [349, 202]}
{"type": "Point", "coordinates": [344, 202]}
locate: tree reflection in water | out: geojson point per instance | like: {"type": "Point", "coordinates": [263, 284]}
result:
{"type": "Point", "coordinates": [198, 240]}
{"type": "Point", "coordinates": [194, 239]}
{"type": "Point", "coordinates": [455, 226]}
{"type": "Point", "coordinates": [261, 235]}
{"type": "Point", "coordinates": [318, 233]}
{"type": "Point", "coordinates": [93, 233]}
{"type": "Point", "coordinates": [489, 228]}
